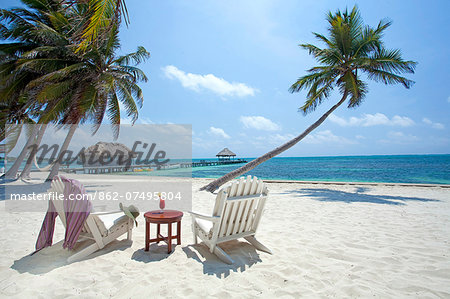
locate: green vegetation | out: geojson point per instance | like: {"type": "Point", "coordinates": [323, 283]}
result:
{"type": "Point", "coordinates": [45, 79]}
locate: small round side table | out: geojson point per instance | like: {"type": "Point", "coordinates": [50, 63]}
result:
{"type": "Point", "coordinates": [158, 217]}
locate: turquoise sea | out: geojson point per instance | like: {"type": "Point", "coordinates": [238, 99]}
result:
{"type": "Point", "coordinates": [427, 169]}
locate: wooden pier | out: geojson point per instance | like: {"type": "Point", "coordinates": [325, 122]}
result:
{"type": "Point", "coordinates": [147, 168]}
{"type": "Point", "coordinates": [214, 163]}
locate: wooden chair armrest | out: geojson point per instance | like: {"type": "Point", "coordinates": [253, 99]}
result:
{"type": "Point", "coordinates": [106, 213]}
{"type": "Point", "coordinates": [203, 216]}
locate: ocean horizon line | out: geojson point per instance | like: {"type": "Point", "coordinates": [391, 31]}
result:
{"type": "Point", "coordinates": [330, 156]}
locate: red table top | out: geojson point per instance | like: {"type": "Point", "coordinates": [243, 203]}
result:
{"type": "Point", "coordinates": [166, 215]}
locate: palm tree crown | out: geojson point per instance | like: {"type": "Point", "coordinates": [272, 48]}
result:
{"type": "Point", "coordinates": [40, 69]}
{"type": "Point", "coordinates": [351, 48]}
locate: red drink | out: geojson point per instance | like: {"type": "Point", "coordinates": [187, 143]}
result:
{"type": "Point", "coordinates": [162, 204]}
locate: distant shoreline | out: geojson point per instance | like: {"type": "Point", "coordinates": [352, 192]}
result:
{"type": "Point", "coordinates": [337, 156]}
{"type": "Point", "coordinates": [344, 183]}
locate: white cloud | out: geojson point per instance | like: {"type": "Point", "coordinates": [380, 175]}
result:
{"type": "Point", "coordinates": [144, 120]}
{"type": "Point", "coordinates": [340, 121]}
{"type": "Point", "coordinates": [278, 138]}
{"type": "Point", "coordinates": [218, 132]}
{"type": "Point", "coordinates": [209, 82]}
{"type": "Point", "coordinates": [433, 124]}
{"type": "Point", "coordinates": [125, 121]}
{"type": "Point", "coordinates": [141, 120]}
{"type": "Point", "coordinates": [369, 120]}
{"type": "Point", "coordinates": [400, 138]}
{"type": "Point", "coordinates": [259, 123]}
{"type": "Point", "coordinates": [402, 121]}
{"type": "Point", "coordinates": [327, 137]}
{"type": "Point", "coordinates": [275, 139]}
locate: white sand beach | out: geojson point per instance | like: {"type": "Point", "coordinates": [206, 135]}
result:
{"type": "Point", "coordinates": [340, 241]}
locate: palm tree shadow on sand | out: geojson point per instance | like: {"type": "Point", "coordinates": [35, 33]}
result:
{"type": "Point", "coordinates": [243, 254]}
{"type": "Point", "coordinates": [329, 195]}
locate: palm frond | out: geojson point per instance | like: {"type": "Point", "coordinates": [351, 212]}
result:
{"type": "Point", "coordinates": [125, 96]}
{"type": "Point", "coordinates": [316, 96]}
{"type": "Point", "coordinates": [113, 113]}
{"type": "Point", "coordinates": [105, 13]}
{"type": "Point", "coordinates": [391, 61]}
{"type": "Point", "coordinates": [324, 39]}
{"type": "Point", "coordinates": [54, 92]}
{"type": "Point", "coordinates": [356, 88]}
{"type": "Point", "coordinates": [387, 77]}
{"type": "Point", "coordinates": [133, 58]}
{"type": "Point", "coordinates": [58, 75]}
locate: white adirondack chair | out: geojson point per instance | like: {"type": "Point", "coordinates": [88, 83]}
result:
{"type": "Point", "coordinates": [102, 227]}
{"type": "Point", "coordinates": [236, 214]}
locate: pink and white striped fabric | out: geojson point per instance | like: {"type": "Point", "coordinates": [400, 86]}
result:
{"type": "Point", "coordinates": [77, 208]}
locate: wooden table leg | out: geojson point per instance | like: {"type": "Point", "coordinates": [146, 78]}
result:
{"type": "Point", "coordinates": [147, 235]}
{"type": "Point", "coordinates": [179, 232]}
{"type": "Point", "coordinates": [169, 237]}
{"type": "Point", "coordinates": [158, 230]}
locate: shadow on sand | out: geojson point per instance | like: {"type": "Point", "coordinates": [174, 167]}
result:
{"type": "Point", "coordinates": [55, 256]}
{"type": "Point", "coordinates": [156, 253]}
{"type": "Point", "coordinates": [359, 195]}
{"type": "Point", "coordinates": [243, 254]}
{"type": "Point", "coordinates": [25, 189]}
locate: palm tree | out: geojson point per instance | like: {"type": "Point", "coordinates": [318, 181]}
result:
{"type": "Point", "coordinates": [35, 38]}
{"type": "Point", "coordinates": [351, 49]}
{"type": "Point", "coordinates": [102, 81]}
{"type": "Point", "coordinates": [46, 78]}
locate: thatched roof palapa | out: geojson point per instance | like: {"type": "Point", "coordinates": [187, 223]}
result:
{"type": "Point", "coordinates": [225, 153]}
{"type": "Point", "coordinates": [111, 147]}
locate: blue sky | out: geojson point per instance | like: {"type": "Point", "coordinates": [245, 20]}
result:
{"type": "Point", "coordinates": [225, 67]}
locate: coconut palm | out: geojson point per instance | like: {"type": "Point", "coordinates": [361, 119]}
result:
{"type": "Point", "coordinates": [56, 83]}
{"type": "Point", "coordinates": [96, 86]}
{"type": "Point", "coordinates": [35, 40]}
{"type": "Point", "coordinates": [351, 49]}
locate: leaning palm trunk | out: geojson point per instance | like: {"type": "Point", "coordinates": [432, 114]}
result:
{"type": "Point", "coordinates": [211, 187]}
{"type": "Point", "coordinates": [62, 152]}
{"type": "Point", "coordinates": [27, 169]}
{"type": "Point", "coordinates": [12, 172]}
{"type": "Point", "coordinates": [351, 46]}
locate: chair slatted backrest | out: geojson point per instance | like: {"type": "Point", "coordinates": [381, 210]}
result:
{"type": "Point", "coordinates": [57, 186]}
{"type": "Point", "coordinates": [240, 206]}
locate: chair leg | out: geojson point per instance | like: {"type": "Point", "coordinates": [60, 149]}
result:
{"type": "Point", "coordinates": [252, 240]}
{"type": "Point", "coordinates": [129, 234]}
{"type": "Point", "coordinates": [222, 255]}
{"type": "Point", "coordinates": [179, 232]}
{"type": "Point", "coordinates": [158, 232]}
{"type": "Point", "coordinates": [169, 237]}
{"type": "Point", "coordinates": [130, 229]}
{"type": "Point", "coordinates": [194, 232]}
{"type": "Point", "coordinates": [147, 235]}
